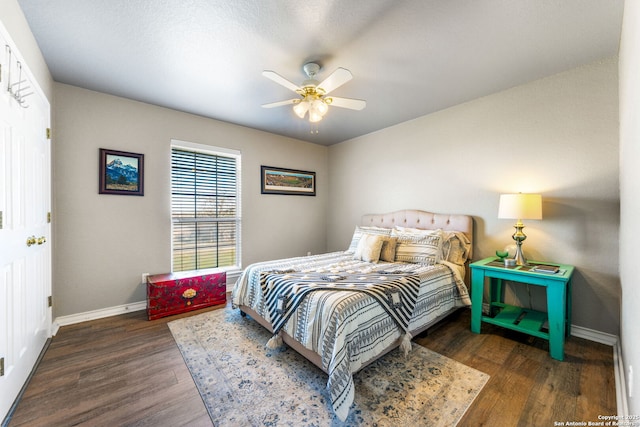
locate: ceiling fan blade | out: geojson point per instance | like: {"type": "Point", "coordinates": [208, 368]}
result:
{"type": "Point", "coordinates": [272, 75]}
{"type": "Point", "coordinates": [335, 80]}
{"type": "Point", "coordinates": [280, 103]}
{"type": "Point", "coordinates": [350, 103]}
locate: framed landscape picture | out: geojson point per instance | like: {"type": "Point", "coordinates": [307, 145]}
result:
{"type": "Point", "coordinates": [121, 173]}
{"type": "Point", "coordinates": [287, 181]}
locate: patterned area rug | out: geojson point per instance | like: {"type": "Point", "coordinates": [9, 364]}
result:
{"type": "Point", "coordinates": [244, 384]}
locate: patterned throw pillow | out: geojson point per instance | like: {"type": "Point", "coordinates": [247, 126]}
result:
{"type": "Point", "coordinates": [455, 247]}
{"type": "Point", "coordinates": [357, 234]}
{"type": "Point", "coordinates": [423, 247]}
{"type": "Point", "coordinates": [369, 247]}
{"type": "Point", "coordinates": [388, 251]}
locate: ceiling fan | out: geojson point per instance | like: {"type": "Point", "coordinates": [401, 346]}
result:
{"type": "Point", "coordinates": [314, 97]}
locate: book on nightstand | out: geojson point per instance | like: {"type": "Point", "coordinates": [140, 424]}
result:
{"type": "Point", "coordinates": [548, 269]}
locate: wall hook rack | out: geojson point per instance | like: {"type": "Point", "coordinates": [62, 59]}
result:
{"type": "Point", "coordinates": [17, 89]}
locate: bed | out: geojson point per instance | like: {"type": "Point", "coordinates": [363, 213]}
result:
{"type": "Point", "coordinates": [403, 272]}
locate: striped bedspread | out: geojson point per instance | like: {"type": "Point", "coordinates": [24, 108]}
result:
{"type": "Point", "coordinates": [396, 293]}
{"type": "Point", "coordinates": [349, 328]}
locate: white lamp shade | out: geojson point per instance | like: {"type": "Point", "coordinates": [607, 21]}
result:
{"type": "Point", "coordinates": [314, 116]}
{"type": "Point", "coordinates": [520, 206]}
{"type": "Point", "coordinates": [301, 109]}
{"type": "Point", "coordinates": [320, 107]}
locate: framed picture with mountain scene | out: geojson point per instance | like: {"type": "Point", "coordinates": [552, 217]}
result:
{"type": "Point", "coordinates": [121, 173]}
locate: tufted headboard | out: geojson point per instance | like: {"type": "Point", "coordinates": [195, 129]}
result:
{"type": "Point", "coordinates": [422, 219]}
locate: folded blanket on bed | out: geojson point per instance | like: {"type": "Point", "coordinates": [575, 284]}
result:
{"type": "Point", "coordinates": [396, 292]}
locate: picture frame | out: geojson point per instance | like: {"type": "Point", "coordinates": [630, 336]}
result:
{"type": "Point", "coordinates": [121, 172]}
{"type": "Point", "coordinates": [276, 180]}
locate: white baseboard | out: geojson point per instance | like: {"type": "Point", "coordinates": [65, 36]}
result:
{"type": "Point", "coordinates": [621, 386]}
{"type": "Point", "coordinates": [618, 365]}
{"type": "Point", "coordinates": [593, 335]}
{"type": "Point", "coordinates": [104, 312]}
{"type": "Point", "coordinates": [96, 314]}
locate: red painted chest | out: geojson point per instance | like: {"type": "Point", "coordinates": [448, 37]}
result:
{"type": "Point", "coordinates": [174, 293]}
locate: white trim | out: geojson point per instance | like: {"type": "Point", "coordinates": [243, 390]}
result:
{"type": "Point", "coordinates": [618, 365]}
{"type": "Point", "coordinates": [204, 148]}
{"type": "Point", "coordinates": [96, 314]}
{"type": "Point", "coordinates": [232, 278]}
{"type": "Point", "coordinates": [222, 152]}
{"type": "Point", "coordinates": [593, 335]}
{"type": "Point", "coordinates": [72, 319]}
{"type": "Point", "coordinates": [621, 386]}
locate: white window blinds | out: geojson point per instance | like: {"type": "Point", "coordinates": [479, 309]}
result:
{"type": "Point", "coordinates": [204, 209]}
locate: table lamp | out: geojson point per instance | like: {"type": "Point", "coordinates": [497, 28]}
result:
{"type": "Point", "coordinates": [520, 206]}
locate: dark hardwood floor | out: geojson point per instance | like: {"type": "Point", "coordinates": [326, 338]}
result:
{"type": "Point", "coordinates": [527, 387]}
{"type": "Point", "coordinates": [127, 371]}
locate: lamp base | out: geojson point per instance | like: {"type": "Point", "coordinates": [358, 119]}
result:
{"type": "Point", "coordinates": [519, 256]}
{"type": "Point", "coordinates": [519, 237]}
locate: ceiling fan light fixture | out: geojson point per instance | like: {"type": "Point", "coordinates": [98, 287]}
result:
{"type": "Point", "coordinates": [320, 106]}
{"type": "Point", "coordinates": [301, 109]}
{"type": "Point", "coordinates": [313, 94]}
{"type": "Point", "coordinates": [314, 116]}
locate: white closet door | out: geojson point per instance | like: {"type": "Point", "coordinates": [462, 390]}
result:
{"type": "Point", "coordinates": [25, 229]}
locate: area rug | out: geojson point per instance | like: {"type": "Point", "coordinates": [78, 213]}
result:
{"type": "Point", "coordinates": [244, 384]}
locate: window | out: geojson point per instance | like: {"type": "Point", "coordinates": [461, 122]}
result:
{"type": "Point", "coordinates": [205, 207]}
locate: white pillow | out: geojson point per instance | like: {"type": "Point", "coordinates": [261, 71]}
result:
{"type": "Point", "coordinates": [369, 247]}
{"type": "Point", "coordinates": [409, 230]}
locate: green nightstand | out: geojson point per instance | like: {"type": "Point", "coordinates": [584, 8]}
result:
{"type": "Point", "coordinates": [521, 319]}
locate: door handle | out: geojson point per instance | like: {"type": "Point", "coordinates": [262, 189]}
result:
{"type": "Point", "coordinates": [41, 240]}
{"type": "Point", "coordinates": [31, 240]}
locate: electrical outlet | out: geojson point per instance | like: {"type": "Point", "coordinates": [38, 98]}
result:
{"type": "Point", "coordinates": [630, 378]}
{"type": "Point", "coordinates": [309, 253]}
{"type": "Point", "coordinates": [144, 277]}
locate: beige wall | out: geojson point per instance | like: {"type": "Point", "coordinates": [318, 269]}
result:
{"type": "Point", "coordinates": [629, 195]}
{"type": "Point", "coordinates": [103, 243]}
{"type": "Point", "coordinates": [557, 136]}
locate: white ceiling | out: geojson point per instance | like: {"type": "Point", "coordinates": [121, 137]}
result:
{"type": "Point", "coordinates": [409, 58]}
